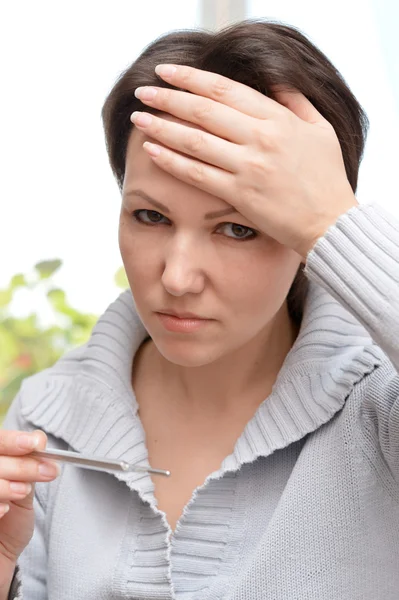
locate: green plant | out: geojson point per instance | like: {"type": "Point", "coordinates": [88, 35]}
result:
{"type": "Point", "coordinates": [26, 344]}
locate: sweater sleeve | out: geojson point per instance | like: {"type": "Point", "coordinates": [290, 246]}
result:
{"type": "Point", "coordinates": [357, 262]}
{"type": "Point", "coordinates": [30, 578]}
{"type": "Point", "coordinates": [16, 592]}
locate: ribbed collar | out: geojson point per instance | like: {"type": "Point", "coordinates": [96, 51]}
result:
{"type": "Point", "coordinates": [87, 399]}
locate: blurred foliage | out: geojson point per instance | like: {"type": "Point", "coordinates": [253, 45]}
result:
{"type": "Point", "coordinates": [26, 345]}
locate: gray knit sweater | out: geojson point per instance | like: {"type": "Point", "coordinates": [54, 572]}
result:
{"type": "Point", "coordinates": [307, 505]}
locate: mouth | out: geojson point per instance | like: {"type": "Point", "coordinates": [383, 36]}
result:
{"type": "Point", "coordinates": [182, 322]}
{"type": "Point", "coordinates": [182, 315]}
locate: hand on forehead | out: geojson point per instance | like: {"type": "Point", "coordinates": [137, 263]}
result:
{"type": "Point", "coordinates": [167, 117]}
{"type": "Point", "coordinates": [250, 153]}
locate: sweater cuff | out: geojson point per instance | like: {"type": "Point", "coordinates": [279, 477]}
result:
{"type": "Point", "coordinates": [356, 261]}
{"type": "Point", "coordinates": [16, 586]}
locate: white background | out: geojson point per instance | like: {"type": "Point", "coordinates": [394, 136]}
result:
{"type": "Point", "coordinates": [59, 60]}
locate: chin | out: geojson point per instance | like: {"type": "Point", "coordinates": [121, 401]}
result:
{"type": "Point", "coordinates": [187, 353]}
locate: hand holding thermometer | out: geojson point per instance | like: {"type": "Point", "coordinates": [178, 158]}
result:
{"type": "Point", "coordinates": [95, 463]}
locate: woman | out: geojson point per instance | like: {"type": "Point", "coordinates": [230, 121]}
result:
{"type": "Point", "coordinates": [258, 361]}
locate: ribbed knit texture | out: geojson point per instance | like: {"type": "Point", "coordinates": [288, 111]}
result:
{"type": "Point", "coordinates": [306, 506]}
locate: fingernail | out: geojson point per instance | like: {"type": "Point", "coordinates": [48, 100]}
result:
{"type": "Point", "coordinates": [141, 119]}
{"type": "Point", "coordinates": [145, 93]}
{"type": "Point", "coordinates": [152, 149]}
{"type": "Point", "coordinates": [48, 470]}
{"type": "Point", "coordinates": [4, 508]}
{"type": "Point", "coordinates": [20, 488]}
{"type": "Point", "coordinates": [27, 441]}
{"type": "Point", "coordinates": [165, 70]}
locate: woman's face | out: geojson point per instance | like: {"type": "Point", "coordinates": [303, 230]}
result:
{"type": "Point", "coordinates": [181, 258]}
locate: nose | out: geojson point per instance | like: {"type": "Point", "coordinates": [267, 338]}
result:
{"type": "Point", "coordinates": [183, 273]}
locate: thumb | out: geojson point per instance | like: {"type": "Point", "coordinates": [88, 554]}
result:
{"type": "Point", "coordinates": [297, 103]}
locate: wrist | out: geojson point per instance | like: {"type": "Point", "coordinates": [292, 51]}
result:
{"type": "Point", "coordinates": [308, 244]}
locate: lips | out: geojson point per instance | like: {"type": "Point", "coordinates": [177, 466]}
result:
{"type": "Point", "coordinates": [181, 315]}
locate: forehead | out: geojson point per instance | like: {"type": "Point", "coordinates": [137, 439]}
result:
{"type": "Point", "coordinates": [142, 172]}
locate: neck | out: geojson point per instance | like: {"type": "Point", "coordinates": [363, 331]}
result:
{"type": "Point", "coordinates": [219, 387]}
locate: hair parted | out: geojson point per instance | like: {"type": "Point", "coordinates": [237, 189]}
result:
{"type": "Point", "coordinates": [262, 54]}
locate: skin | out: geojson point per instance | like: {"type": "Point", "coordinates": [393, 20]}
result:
{"type": "Point", "coordinates": [188, 264]}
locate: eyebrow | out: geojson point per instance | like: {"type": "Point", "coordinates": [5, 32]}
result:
{"type": "Point", "coordinates": [210, 215]}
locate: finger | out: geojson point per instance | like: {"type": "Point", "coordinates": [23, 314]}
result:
{"type": "Point", "coordinates": [216, 118]}
{"type": "Point", "coordinates": [221, 89]}
{"type": "Point", "coordinates": [297, 103]}
{"type": "Point", "coordinates": [192, 141]}
{"type": "Point", "coordinates": [205, 177]}
{"type": "Point", "coordinates": [27, 469]}
{"type": "Point", "coordinates": [14, 490]}
{"type": "Point", "coordinates": [16, 443]}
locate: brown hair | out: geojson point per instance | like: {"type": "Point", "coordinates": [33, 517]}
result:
{"type": "Point", "coordinates": [261, 54]}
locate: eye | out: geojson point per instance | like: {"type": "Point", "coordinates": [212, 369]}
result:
{"type": "Point", "coordinates": [148, 217]}
{"type": "Point", "coordinates": [239, 232]}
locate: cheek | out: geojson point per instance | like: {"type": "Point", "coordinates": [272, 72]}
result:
{"type": "Point", "coordinates": [140, 256]}
{"type": "Point", "coordinates": [260, 286]}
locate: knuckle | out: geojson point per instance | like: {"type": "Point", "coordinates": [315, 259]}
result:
{"type": "Point", "coordinates": [201, 111]}
{"type": "Point", "coordinates": [264, 138]}
{"type": "Point", "coordinates": [195, 173]}
{"type": "Point", "coordinates": [164, 97]}
{"type": "Point", "coordinates": [166, 159]}
{"type": "Point", "coordinates": [162, 100]}
{"type": "Point", "coordinates": [269, 136]}
{"type": "Point", "coordinates": [22, 468]}
{"type": "Point", "coordinates": [158, 128]}
{"type": "Point", "coordinates": [13, 468]}
{"type": "Point", "coordinates": [194, 142]}
{"type": "Point", "coordinates": [220, 87]}
{"type": "Point", "coordinates": [4, 490]}
{"type": "Point", "coordinates": [255, 165]}
{"type": "Point", "coordinates": [186, 74]}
